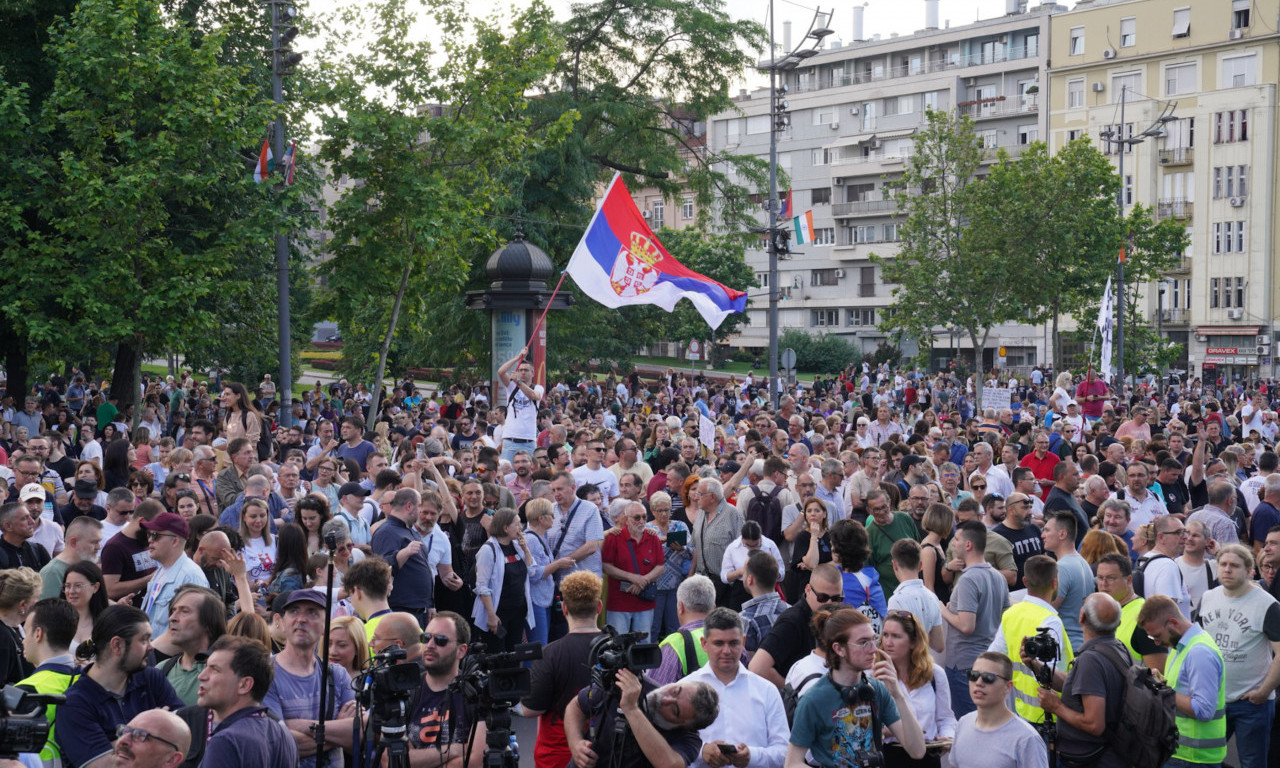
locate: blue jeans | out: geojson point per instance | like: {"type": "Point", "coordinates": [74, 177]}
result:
{"type": "Point", "coordinates": [665, 620]}
{"type": "Point", "coordinates": [1251, 724]}
{"type": "Point", "coordinates": [629, 621]}
{"type": "Point", "coordinates": [538, 634]}
{"type": "Point", "coordinates": [958, 682]}
{"type": "Point", "coordinates": [509, 448]}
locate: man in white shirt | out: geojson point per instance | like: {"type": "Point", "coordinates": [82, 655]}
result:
{"type": "Point", "coordinates": [1159, 567]}
{"type": "Point", "coordinates": [594, 471]}
{"type": "Point", "coordinates": [756, 714]}
{"type": "Point", "coordinates": [520, 428]}
{"type": "Point", "coordinates": [912, 596]}
{"type": "Point", "coordinates": [734, 564]}
{"type": "Point", "coordinates": [998, 481]}
{"type": "Point", "coordinates": [1144, 506]}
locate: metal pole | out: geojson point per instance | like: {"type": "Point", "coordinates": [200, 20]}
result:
{"type": "Point", "coordinates": [1160, 336]}
{"type": "Point", "coordinates": [285, 385]}
{"type": "Point", "coordinates": [1120, 262]}
{"type": "Point", "coordinates": [773, 216]}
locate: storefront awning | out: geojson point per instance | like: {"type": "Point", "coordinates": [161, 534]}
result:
{"type": "Point", "coordinates": [1228, 330]}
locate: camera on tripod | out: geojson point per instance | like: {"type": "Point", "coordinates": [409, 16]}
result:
{"type": "Point", "coordinates": [612, 652]}
{"type": "Point", "coordinates": [489, 679]}
{"type": "Point", "coordinates": [387, 686]}
{"type": "Point", "coordinates": [28, 730]}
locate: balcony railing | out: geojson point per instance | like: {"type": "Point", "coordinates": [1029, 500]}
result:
{"type": "Point", "coordinates": [1173, 208]}
{"type": "Point", "coordinates": [999, 107]}
{"type": "Point", "coordinates": [1183, 264]}
{"type": "Point", "coordinates": [864, 208]}
{"type": "Point", "coordinates": [952, 60]}
{"type": "Point", "coordinates": [1177, 156]}
{"type": "Point", "coordinates": [1175, 316]}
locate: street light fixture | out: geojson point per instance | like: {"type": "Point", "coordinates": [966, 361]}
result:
{"type": "Point", "coordinates": [1117, 136]}
{"type": "Point", "coordinates": [780, 120]}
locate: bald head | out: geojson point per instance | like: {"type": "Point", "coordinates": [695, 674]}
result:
{"type": "Point", "coordinates": [168, 739]}
{"type": "Point", "coordinates": [398, 629]}
{"type": "Point", "coordinates": [1100, 614]}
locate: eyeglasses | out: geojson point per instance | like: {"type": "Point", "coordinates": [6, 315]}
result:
{"type": "Point", "coordinates": [823, 597]}
{"type": "Point", "coordinates": [987, 677]}
{"type": "Point", "coordinates": [158, 535]}
{"type": "Point", "coordinates": [440, 641]}
{"type": "Point", "coordinates": [1179, 532]}
{"type": "Point", "coordinates": [1024, 502]}
{"type": "Point", "coordinates": [864, 644]}
{"type": "Point", "coordinates": [141, 736]}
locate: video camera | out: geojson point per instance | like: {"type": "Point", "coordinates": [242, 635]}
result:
{"type": "Point", "coordinates": [27, 731]}
{"type": "Point", "coordinates": [612, 651]}
{"type": "Point", "coordinates": [489, 679]}
{"type": "Point", "coordinates": [386, 686]}
{"type": "Point", "coordinates": [1042, 647]}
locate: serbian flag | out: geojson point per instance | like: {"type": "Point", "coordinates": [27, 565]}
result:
{"type": "Point", "coordinates": [803, 226]}
{"type": "Point", "coordinates": [288, 163]}
{"type": "Point", "coordinates": [788, 208]}
{"type": "Point", "coordinates": [262, 170]}
{"type": "Point", "coordinates": [619, 262]}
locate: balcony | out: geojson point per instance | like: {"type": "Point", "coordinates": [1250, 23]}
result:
{"type": "Point", "coordinates": [1173, 208]}
{"type": "Point", "coordinates": [878, 207]}
{"type": "Point", "coordinates": [1181, 266]}
{"type": "Point", "coordinates": [1177, 156]}
{"type": "Point", "coordinates": [1000, 106]}
{"type": "Point", "coordinates": [1175, 316]}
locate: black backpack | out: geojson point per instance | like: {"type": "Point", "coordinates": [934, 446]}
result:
{"type": "Point", "coordinates": [1139, 573]}
{"type": "Point", "coordinates": [766, 510]}
{"type": "Point", "coordinates": [1146, 735]}
{"type": "Point", "coordinates": [791, 696]}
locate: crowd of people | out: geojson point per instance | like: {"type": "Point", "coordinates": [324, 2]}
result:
{"type": "Point", "coordinates": [847, 579]}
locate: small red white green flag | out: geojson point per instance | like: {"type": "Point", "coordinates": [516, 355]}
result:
{"type": "Point", "coordinates": [262, 170]}
{"type": "Point", "coordinates": [803, 226]}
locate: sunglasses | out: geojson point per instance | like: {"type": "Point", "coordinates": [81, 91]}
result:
{"type": "Point", "coordinates": [141, 736]}
{"type": "Point", "coordinates": [823, 597]}
{"type": "Point", "coordinates": [978, 487]}
{"type": "Point", "coordinates": [987, 677]}
{"type": "Point", "coordinates": [440, 641]}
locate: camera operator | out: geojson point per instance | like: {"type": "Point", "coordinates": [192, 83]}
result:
{"type": "Point", "coordinates": [1092, 692]}
{"type": "Point", "coordinates": [1026, 621]}
{"type": "Point", "coordinates": [50, 628]}
{"type": "Point", "coordinates": [662, 722]}
{"type": "Point", "coordinates": [563, 671]}
{"type": "Point", "coordinates": [757, 715]}
{"type": "Point", "coordinates": [439, 724]}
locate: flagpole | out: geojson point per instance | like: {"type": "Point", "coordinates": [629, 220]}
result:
{"type": "Point", "coordinates": [547, 308]}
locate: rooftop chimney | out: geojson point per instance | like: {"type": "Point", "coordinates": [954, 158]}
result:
{"type": "Point", "coordinates": [858, 12]}
{"type": "Point", "coordinates": [931, 13]}
{"type": "Point", "coordinates": [786, 37]}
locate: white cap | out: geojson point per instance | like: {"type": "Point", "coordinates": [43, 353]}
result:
{"type": "Point", "coordinates": [32, 491]}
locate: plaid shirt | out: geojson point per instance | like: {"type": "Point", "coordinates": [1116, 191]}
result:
{"type": "Point", "coordinates": [758, 614]}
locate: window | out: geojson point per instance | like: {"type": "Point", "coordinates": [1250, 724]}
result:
{"type": "Point", "coordinates": [1033, 45]}
{"type": "Point", "coordinates": [1180, 295]}
{"type": "Point", "coordinates": [1179, 78]}
{"type": "Point", "coordinates": [762, 279]}
{"type": "Point", "coordinates": [1230, 181]}
{"type": "Point", "coordinates": [1229, 126]}
{"type": "Point", "coordinates": [989, 49]}
{"type": "Point", "coordinates": [1182, 22]}
{"type": "Point", "coordinates": [988, 139]}
{"type": "Point", "coordinates": [1074, 134]}
{"type": "Point", "coordinates": [1239, 71]}
{"type": "Point", "coordinates": [1214, 301]}
{"type": "Point", "coordinates": [824, 317]}
{"type": "Point", "coordinates": [1110, 136]}
{"type": "Point", "coordinates": [867, 281]}
{"type": "Point", "coordinates": [820, 157]}
{"type": "Point", "coordinates": [820, 196]}
{"type": "Point", "coordinates": [734, 130]}
{"type": "Point", "coordinates": [1076, 41]}
{"type": "Point", "coordinates": [1075, 94]}
{"type": "Point", "coordinates": [1240, 292]}
{"type": "Point", "coordinates": [757, 124]}
{"type": "Point", "coordinates": [862, 317]}
{"type": "Point", "coordinates": [1128, 32]}
{"type": "Point", "coordinates": [824, 115]}
{"type": "Point", "coordinates": [869, 116]}
{"type": "Point", "coordinates": [1228, 237]}
{"type": "Point", "coordinates": [860, 234]}
{"type": "Point", "coordinates": [686, 208]}
{"type": "Point", "coordinates": [658, 211]}
{"type": "Point", "coordinates": [1128, 189]}
{"type": "Point", "coordinates": [1240, 14]}
{"type": "Point", "coordinates": [1179, 186]}
{"type": "Point", "coordinates": [819, 277]}
{"type": "Point", "coordinates": [1128, 81]}
{"type": "Point", "coordinates": [1180, 134]}
{"type": "Point", "coordinates": [890, 233]}
{"type": "Point", "coordinates": [1027, 134]}
{"type": "Point", "coordinates": [824, 236]}
{"type": "Point", "coordinates": [906, 104]}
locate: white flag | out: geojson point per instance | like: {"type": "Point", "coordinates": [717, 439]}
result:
{"type": "Point", "coordinates": [1105, 325]}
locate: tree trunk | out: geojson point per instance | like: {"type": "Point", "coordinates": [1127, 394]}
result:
{"type": "Point", "coordinates": [979, 352]}
{"type": "Point", "coordinates": [127, 375]}
{"type": "Point", "coordinates": [1057, 348]}
{"type": "Point", "coordinates": [386, 342]}
{"type": "Point", "coordinates": [13, 347]}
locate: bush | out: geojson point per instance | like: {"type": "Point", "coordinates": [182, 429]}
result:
{"type": "Point", "coordinates": [824, 353]}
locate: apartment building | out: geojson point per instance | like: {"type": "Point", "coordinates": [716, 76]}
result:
{"type": "Point", "coordinates": [1210, 66]}
{"type": "Point", "coordinates": [853, 111]}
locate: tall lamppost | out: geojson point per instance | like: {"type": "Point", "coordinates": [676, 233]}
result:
{"type": "Point", "coordinates": [1116, 137]}
{"type": "Point", "coordinates": [283, 60]}
{"type": "Point", "coordinates": [778, 121]}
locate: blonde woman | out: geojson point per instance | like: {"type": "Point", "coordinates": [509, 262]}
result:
{"type": "Point", "coordinates": [19, 590]}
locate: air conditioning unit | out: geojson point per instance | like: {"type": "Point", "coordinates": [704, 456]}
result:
{"type": "Point", "coordinates": [1262, 351]}
{"type": "Point", "coordinates": [1201, 339]}
{"type": "Point", "coordinates": [1235, 34]}
{"type": "Point", "coordinates": [969, 82]}
{"type": "Point", "coordinates": [645, 214]}
{"type": "Point", "coordinates": [835, 126]}
{"type": "Point", "coordinates": [853, 111]}
{"type": "Point", "coordinates": [839, 274]}
{"type": "Point", "coordinates": [1264, 341]}
{"type": "Point", "coordinates": [1110, 53]}
{"type": "Point", "coordinates": [1236, 202]}
{"type": "Point", "coordinates": [1099, 87]}
{"type": "Point", "coordinates": [1235, 314]}
{"type": "Point", "coordinates": [838, 181]}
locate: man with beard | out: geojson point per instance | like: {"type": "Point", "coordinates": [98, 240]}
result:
{"type": "Point", "coordinates": [662, 722]}
{"type": "Point", "coordinates": [441, 720]}
{"type": "Point", "coordinates": [196, 619]}
{"type": "Point", "coordinates": [519, 482]}
{"type": "Point", "coordinates": [118, 686]}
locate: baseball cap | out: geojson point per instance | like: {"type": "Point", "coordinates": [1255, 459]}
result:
{"type": "Point", "coordinates": [909, 461]}
{"type": "Point", "coordinates": [86, 489]}
{"type": "Point", "coordinates": [168, 522]}
{"type": "Point", "coordinates": [352, 489]}
{"type": "Point", "coordinates": [303, 596]}
{"type": "Point", "coordinates": [32, 491]}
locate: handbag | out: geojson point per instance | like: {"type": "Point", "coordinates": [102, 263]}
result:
{"type": "Point", "coordinates": [650, 592]}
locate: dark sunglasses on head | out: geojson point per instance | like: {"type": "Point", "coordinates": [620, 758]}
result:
{"type": "Point", "coordinates": [987, 677]}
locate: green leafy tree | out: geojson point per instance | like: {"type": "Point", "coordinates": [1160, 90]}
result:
{"type": "Point", "coordinates": [427, 135]}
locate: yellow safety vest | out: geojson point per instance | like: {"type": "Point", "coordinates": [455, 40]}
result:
{"type": "Point", "coordinates": [1128, 623]}
{"type": "Point", "coordinates": [1199, 741]}
{"type": "Point", "coordinates": [676, 642]}
{"type": "Point", "coordinates": [1019, 622]}
{"type": "Point", "coordinates": [50, 680]}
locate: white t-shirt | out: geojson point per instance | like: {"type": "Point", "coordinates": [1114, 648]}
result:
{"type": "Point", "coordinates": [259, 558]}
{"type": "Point", "coordinates": [522, 414]}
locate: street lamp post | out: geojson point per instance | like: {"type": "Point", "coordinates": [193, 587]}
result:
{"type": "Point", "coordinates": [1116, 137]}
{"type": "Point", "coordinates": [282, 63]}
{"type": "Point", "coordinates": [779, 120]}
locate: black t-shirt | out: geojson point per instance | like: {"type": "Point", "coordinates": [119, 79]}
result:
{"type": "Point", "coordinates": [12, 665]}
{"type": "Point", "coordinates": [439, 720]}
{"type": "Point", "coordinates": [128, 558]}
{"type": "Point", "coordinates": [1176, 496]}
{"type": "Point", "coordinates": [512, 599]}
{"type": "Point", "coordinates": [1093, 674]}
{"type": "Point", "coordinates": [32, 555]}
{"type": "Point", "coordinates": [560, 673]}
{"type": "Point", "coordinates": [1026, 543]}
{"type": "Point", "coordinates": [686, 742]}
{"type": "Point", "coordinates": [790, 638]}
